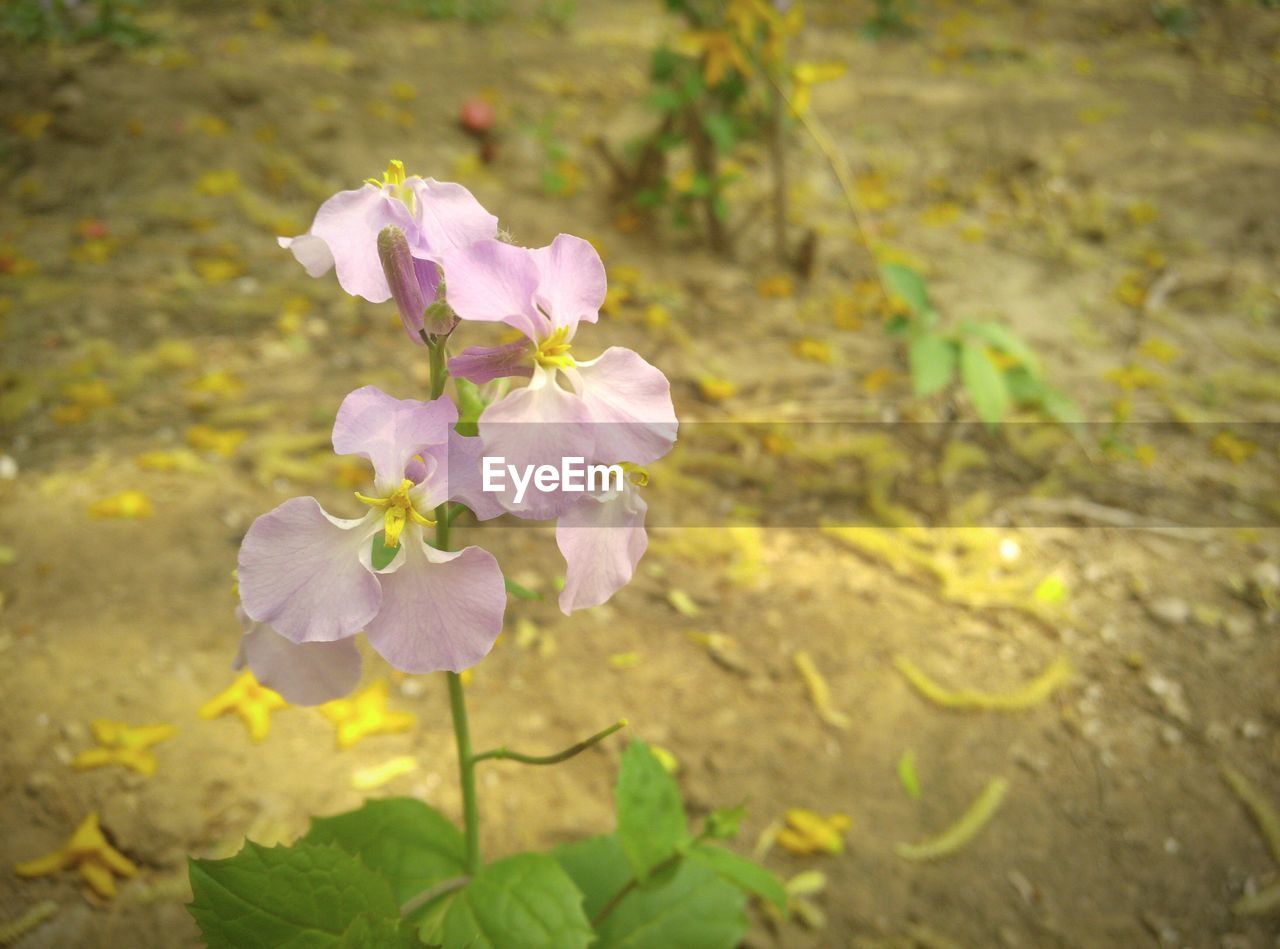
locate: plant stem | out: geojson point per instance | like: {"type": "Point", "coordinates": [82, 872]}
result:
{"type": "Point", "coordinates": [466, 771]}
{"type": "Point", "coordinates": [778, 158]}
{"type": "Point", "coordinates": [457, 697]}
{"type": "Point", "coordinates": [439, 368]}
{"type": "Point", "coordinates": [571, 751]}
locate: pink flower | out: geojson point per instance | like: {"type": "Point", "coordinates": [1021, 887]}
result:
{"type": "Point", "coordinates": [317, 579]}
{"type": "Point", "coordinates": [613, 408]}
{"type": "Point", "coordinates": [435, 216]}
{"type": "Point", "coordinates": [602, 539]}
{"type": "Point", "coordinates": [306, 674]}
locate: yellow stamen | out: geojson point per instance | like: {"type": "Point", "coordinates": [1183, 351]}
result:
{"type": "Point", "coordinates": [636, 474]}
{"type": "Point", "coordinates": [553, 352]}
{"type": "Point", "coordinates": [399, 511]}
{"type": "Point", "coordinates": [394, 179]}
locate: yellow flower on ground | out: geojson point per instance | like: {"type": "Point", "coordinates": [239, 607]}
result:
{"type": "Point", "coordinates": [254, 704]}
{"type": "Point", "coordinates": [126, 504]}
{"type": "Point", "coordinates": [123, 744]}
{"type": "Point", "coordinates": [366, 713]}
{"type": "Point", "coordinates": [809, 833]}
{"type": "Point", "coordinates": [88, 851]}
{"type": "Point", "coordinates": [804, 76]}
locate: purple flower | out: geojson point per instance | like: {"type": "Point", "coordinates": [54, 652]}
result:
{"type": "Point", "coordinates": [306, 674]}
{"type": "Point", "coordinates": [614, 408]}
{"type": "Point", "coordinates": [317, 579]}
{"type": "Point", "coordinates": [435, 216]}
{"type": "Point", "coordinates": [602, 538]}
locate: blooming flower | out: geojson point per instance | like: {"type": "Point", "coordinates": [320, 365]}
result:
{"type": "Point", "coordinates": [435, 216]}
{"type": "Point", "coordinates": [317, 579]}
{"type": "Point", "coordinates": [613, 409]}
{"type": "Point", "coordinates": [602, 538]}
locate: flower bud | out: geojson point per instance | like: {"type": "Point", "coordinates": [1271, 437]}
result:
{"type": "Point", "coordinates": [402, 278]}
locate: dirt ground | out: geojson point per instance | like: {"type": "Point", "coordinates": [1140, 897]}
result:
{"type": "Point", "coordinates": [1110, 191]}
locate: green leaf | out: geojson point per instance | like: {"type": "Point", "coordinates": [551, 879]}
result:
{"type": "Point", "coordinates": [743, 873]}
{"type": "Point", "coordinates": [306, 895]}
{"type": "Point", "coordinates": [1002, 338]}
{"type": "Point", "coordinates": [984, 382]}
{"type": "Point", "coordinates": [933, 363]}
{"type": "Point", "coordinates": [410, 844]}
{"type": "Point", "coordinates": [519, 592]}
{"type": "Point", "coordinates": [907, 774]}
{"type": "Point", "coordinates": [380, 554]}
{"type": "Point", "coordinates": [526, 901]}
{"type": "Point", "coordinates": [720, 129]}
{"type": "Point", "coordinates": [599, 868]}
{"type": "Point", "coordinates": [693, 907]}
{"type": "Point", "coordinates": [651, 821]}
{"type": "Point", "coordinates": [724, 822]}
{"type": "Point", "coordinates": [470, 405]}
{"type": "Point", "coordinates": [905, 282]}
{"type": "Point", "coordinates": [375, 932]}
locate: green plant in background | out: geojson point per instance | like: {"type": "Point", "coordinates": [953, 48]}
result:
{"type": "Point", "coordinates": [889, 19]}
{"type": "Point", "coordinates": [724, 81]}
{"type": "Point", "coordinates": [45, 21]}
{"type": "Point", "coordinates": [991, 364]}
{"type": "Point", "coordinates": [1178, 20]}
{"type": "Point", "coordinates": [469, 11]}
{"type": "Point", "coordinates": [395, 872]}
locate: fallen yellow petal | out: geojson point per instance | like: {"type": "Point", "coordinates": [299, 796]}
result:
{"type": "Point", "coordinates": [1033, 693]}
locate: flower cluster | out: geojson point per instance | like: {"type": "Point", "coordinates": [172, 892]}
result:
{"type": "Point", "coordinates": [309, 581]}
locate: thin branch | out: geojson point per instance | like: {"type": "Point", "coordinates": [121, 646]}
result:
{"type": "Point", "coordinates": [571, 751]}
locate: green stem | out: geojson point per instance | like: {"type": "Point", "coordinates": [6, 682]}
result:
{"type": "Point", "coordinates": [466, 771]}
{"type": "Point", "coordinates": [509, 755]}
{"type": "Point", "coordinates": [457, 697]}
{"type": "Point", "coordinates": [439, 368]}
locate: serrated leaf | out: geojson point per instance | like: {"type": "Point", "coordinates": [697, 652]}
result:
{"type": "Point", "coordinates": [745, 874]}
{"type": "Point", "coordinates": [409, 843]}
{"type": "Point", "coordinates": [308, 895]}
{"type": "Point", "coordinates": [933, 364]}
{"type": "Point", "coordinates": [599, 868]}
{"type": "Point", "coordinates": [984, 382]}
{"type": "Point", "coordinates": [527, 900]}
{"type": "Point", "coordinates": [905, 282]}
{"type": "Point", "coordinates": [651, 820]}
{"type": "Point", "coordinates": [693, 907]}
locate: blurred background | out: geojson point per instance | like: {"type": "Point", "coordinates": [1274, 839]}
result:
{"type": "Point", "coordinates": [1038, 547]}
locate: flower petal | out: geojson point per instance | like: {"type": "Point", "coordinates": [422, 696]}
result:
{"type": "Point", "coordinates": [602, 540]}
{"type": "Point", "coordinates": [540, 424]}
{"type": "Point", "coordinates": [311, 252]}
{"type": "Point", "coordinates": [306, 673]}
{"type": "Point", "coordinates": [571, 284]}
{"type": "Point", "coordinates": [494, 282]}
{"type": "Point", "coordinates": [390, 431]}
{"type": "Point", "coordinates": [630, 405]}
{"type": "Point", "coordinates": [440, 610]}
{"type": "Point", "coordinates": [349, 223]}
{"type": "Point", "coordinates": [449, 217]}
{"type": "Point", "coordinates": [463, 477]}
{"type": "Point", "coordinates": [481, 364]}
{"type": "Point", "coordinates": [302, 571]}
